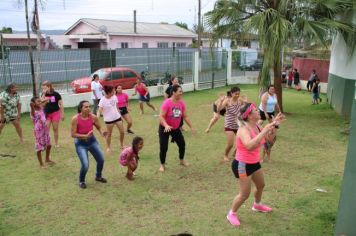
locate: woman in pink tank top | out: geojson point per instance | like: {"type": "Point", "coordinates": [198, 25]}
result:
{"type": "Point", "coordinates": [85, 141]}
{"type": "Point", "coordinates": [246, 165]}
{"type": "Point", "coordinates": [144, 95]}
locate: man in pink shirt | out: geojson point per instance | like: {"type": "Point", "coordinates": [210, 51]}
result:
{"type": "Point", "coordinates": [173, 110]}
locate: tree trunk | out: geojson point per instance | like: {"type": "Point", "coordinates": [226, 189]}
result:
{"type": "Point", "coordinates": [277, 71]}
{"type": "Point", "coordinates": [34, 90]}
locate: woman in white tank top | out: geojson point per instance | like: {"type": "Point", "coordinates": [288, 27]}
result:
{"type": "Point", "coordinates": [269, 104]}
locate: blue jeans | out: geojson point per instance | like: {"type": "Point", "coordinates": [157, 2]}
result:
{"type": "Point", "coordinates": [82, 147]}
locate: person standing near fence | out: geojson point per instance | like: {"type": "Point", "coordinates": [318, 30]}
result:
{"type": "Point", "coordinates": [172, 111]}
{"type": "Point", "coordinates": [296, 79]}
{"type": "Point", "coordinates": [290, 78]}
{"type": "Point", "coordinates": [53, 109]}
{"type": "Point", "coordinates": [123, 105]}
{"type": "Point", "coordinates": [84, 141]}
{"type": "Point", "coordinates": [311, 80]}
{"type": "Point", "coordinates": [108, 107]}
{"type": "Point", "coordinates": [96, 92]}
{"type": "Point", "coordinates": [144, 95]}
{"type": "Point", "coordinates": [10, 109]}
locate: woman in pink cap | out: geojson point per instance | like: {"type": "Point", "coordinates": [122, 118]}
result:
{"type": "Point", "coordinates": [246, 165]}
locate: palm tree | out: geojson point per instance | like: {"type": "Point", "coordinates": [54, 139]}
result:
{"type": "Point", "coordinates": [279, 23]}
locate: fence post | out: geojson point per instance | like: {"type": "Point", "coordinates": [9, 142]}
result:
{"type": "Point", "coordinates": [212, 79]}
{"type": "Point", "coordinates": [229, 67]}
{"type": "Point", "coordinates": [3, 58]}
{"type": "Point", "coordinates": [66, 69]}
{"type": "Point", "coordinates": [196, 70]}
{"type": "Point", "coordinates": [8, 63]}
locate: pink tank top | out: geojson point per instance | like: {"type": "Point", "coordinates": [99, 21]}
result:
{"type": "Point", "coordinates": [141, 89]}
{"type": "Point", "coordinates": [84, 126]}
{"type": "Point", "coordinates": [245, 155]}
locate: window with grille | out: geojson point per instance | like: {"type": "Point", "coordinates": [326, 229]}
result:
{"type": "Point", "coordinates": [124, 45]}
{"type": "Point", "coordinates": [181, 45]}
{"type": "Point", "coordinates": [162, 45]}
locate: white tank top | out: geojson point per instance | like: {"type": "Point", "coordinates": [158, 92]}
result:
{"type": "Point", "coordinates": [271, 103]}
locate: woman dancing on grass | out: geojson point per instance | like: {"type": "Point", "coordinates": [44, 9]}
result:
{"type": "Point", "coordinates": [84, 141]}
{"type": "Point", "coordinates": [172, 112]}
{"type": "Point", "coordinates": [108, 107]}
{"type": "Point", "coordinates": [246, 165]}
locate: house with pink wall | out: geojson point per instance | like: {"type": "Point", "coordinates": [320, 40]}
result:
{"type": "Point", "coordinates": [111, 34]}
{"type": "Point", "coordinates": [20, 41]}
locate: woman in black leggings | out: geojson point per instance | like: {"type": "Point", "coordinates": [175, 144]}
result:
{"type": "Point", "coordinates": [172, 112]}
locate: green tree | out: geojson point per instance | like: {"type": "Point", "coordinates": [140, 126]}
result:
{"type": "Point", "coordinates": [182, 25]}
{"type": "Point", "coordinates": [6, 30]}
{"type": "Point", "coordinates": [279, 23]}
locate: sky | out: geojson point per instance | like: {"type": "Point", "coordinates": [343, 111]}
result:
{"type": "Point", "coordinates": [61, 14]}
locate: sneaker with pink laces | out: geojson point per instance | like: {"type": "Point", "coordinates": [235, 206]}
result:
{"type": "Point", "coordinates": [261, 208]}
{"type": "Point", "coordinates": [232, 218]}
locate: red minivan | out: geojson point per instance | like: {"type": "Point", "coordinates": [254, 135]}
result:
{"type": "Point", "coordinates": [114, 76]}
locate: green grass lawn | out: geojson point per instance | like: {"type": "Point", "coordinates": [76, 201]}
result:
{"type": "Point", "coordinates": [309, 154]}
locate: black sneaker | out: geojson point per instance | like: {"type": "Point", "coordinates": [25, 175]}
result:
{"type": "Point", "coordinates": [130, 131]}
{"type": "Point", "coordinates": [101, 179]}
{"type": "Point", "coordinates": [82, 185]}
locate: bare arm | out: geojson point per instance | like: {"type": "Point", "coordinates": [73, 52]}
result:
{"type": "Point", "coordinates": [60, 103]}
{"type": "Point", "coordinates": [100, 111]}
{"type": "Point", "coordinates": [244, 134]}
{"type": "Point", "coordinates": [222, 104]}
{"type": "Point", "coordinates": [97, 125]}
{"type": "Point", "coordinates": [135, 91]}
{"type": "Point", "coordinates": [32, 106]}
{"type": "Point", "coordinates": [146, 90]}
{"type": "Point", "coordinates": [163, 121]}
{"type": "Point", "coordinates": [264, 103]}
{"type": "Point", "coordinates": [19, 110]}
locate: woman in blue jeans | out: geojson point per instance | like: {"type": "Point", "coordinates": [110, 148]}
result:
{"type": "Point", "coordinates": [84, 141]}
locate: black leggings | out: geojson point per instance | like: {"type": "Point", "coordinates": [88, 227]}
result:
{"type": "Point", "coordinates": [177, 136]}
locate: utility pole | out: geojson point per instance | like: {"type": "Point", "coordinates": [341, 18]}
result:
{"type": "Point", "coordinates": [199, 27]}
{"type": "Point", "coordinates": [38, 55]}
{"type": "Point", "coordinates": [34, 93]}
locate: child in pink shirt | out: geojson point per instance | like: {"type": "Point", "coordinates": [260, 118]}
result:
{"type": "Point", "coordinates": [129, 157]}
{"type": "Point", "coordinates": [123, 106]}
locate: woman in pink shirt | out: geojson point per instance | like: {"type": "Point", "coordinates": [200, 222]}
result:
{"type": "Point", "coordinates": [144, 95]}
{"type": "Point", "coordinates": [123, 105]}
{"type": "Point", "coordinates": [172, 112]}
{"type": "Point", "coordinates": [246, 165]}
{"type": "Point", "coordinates": [111, 115]}
{"type": "Point", "coordinates": [84, 140]}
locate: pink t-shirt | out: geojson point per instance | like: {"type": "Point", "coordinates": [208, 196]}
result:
{"type": "Point", "coordinates": [123, 99]}
{"type": "Point", "coordinates": [245, 155]}
{"type": "Point", "coordinates": [174, 112]}
{"type": "Point", "coordinates": [109, 106]}
{"type": "Point", "coordinates": [141, 89]}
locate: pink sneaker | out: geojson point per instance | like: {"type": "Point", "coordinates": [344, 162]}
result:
{"type": "Point", "coordinates": [261, 208]}
{"type": "Point", "coordinates": [232, 218]}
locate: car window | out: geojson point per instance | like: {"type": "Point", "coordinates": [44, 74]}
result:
{"type": "Point", "coordinates": [129, 74]}
{"type": "Point", "coordinates": [101, 73]}
{"type": "Point", "coordinates": [116, 75]}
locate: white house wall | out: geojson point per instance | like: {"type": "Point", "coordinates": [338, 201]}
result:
{"type": "Point", "coordinates": [341, 64]}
